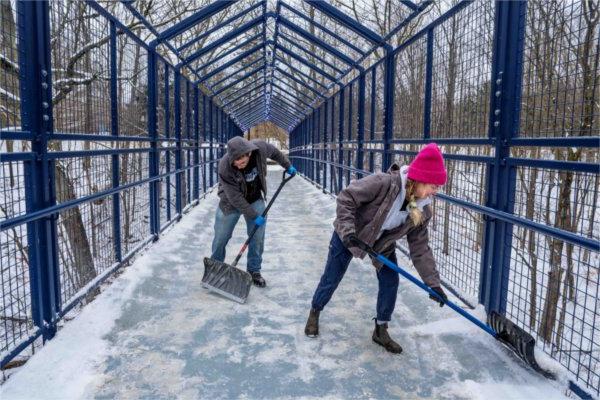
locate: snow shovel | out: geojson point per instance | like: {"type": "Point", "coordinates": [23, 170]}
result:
{"type": "Point", "coordinates": [228, 280]}
{"type": "Point", "coordinates": [502, 329]}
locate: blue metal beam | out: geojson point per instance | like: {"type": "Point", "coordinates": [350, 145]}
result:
{"type": "Point", "coordinates": [246, 97]}
{"type": "Point", "coordinates": [196, 18]}
{"type": "Point", "coordinates": [299, 72]}
{"type": "Point", "coordinates": [310, 53]}
{"type": "Point", "coordinates": [308, 64]}
{"type": "Point", "coordinates": [292, 88]}
{"type": "Point", "coordinates": [238, 80]}
{"type": "Point", "coordinates": [232, 74]}
{"type": "Point", "coordinates": [285, 121]}
{"type": "Point", "coordinates": [246, 92]}
{"type": "Point", "coordinates": [285, 117]}
{"type": "Point", "coordinates": [229, 63]}
{"type": "Point", "coordinates": [283, 93]}
{"type": "Point", "coordinates": [345, 20]}
{"type": "Point", "coordinates": [221, 25]}
{"type": "Point", "coordinates": [299, 81]}
{"type": "Point", "coordinates": [410, 4]}
{"type": "Point", "coordinates": [258, 82]}
{"type": "Point", "coordinates": [224, 39]}
{"type": "Point", "coordinates": [293, 96]}
{"type": "Point", "coordinates": [255, 121]}
{"type": "Point", "coordinates": [244, 107]}
{"type": "Point", "coordinates": [289, 104]}
{"type": "Point", "coordinates": [313, 39]}
{"type": "Point", "coordinates": [228, 52]}
{"type": "Point", "coordinates": [326, 30]}
{"type": "Point", "coordinates": [278, 104]}
{"type": "Point", "coordinates": [279, 123]}
{"type": "Point", "coordinates": [252, 110]}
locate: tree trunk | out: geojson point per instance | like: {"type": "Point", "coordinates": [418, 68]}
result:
{"type": "Point", "coordinates": [74, 227]}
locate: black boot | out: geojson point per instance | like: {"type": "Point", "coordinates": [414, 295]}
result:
{"type": "Point", "coordinates": [312, 325]}
{"type": "Point", "coordinates": [382, 338]}
{"type": "Point", "coordinates": [258, 280]}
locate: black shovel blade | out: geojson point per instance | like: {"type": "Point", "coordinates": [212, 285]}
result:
{"type": "Point", "coordinates": [518, 340]}
{"type": "Point", "coordinates": [226, 280]}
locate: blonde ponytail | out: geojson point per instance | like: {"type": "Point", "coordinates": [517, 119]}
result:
{"type": "Point", "coordinates": [416, 215]}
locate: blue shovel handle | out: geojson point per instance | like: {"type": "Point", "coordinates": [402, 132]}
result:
{"type": "Point", "coordinates": [423, 286]}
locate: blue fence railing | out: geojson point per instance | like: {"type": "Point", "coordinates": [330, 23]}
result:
{"type": "Point", "coordinates": [100, 153]}
{"type": "Point", "coordinates": [111, 130]}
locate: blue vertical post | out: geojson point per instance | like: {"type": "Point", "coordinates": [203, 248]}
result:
{"type": "Point", "coordinates": [153, 134]}
{"type": "Point", "coordinates": [325, 140]}
{"type": "Point", "coordinates": [507, 59]}
{"type": "Point", "coordinates": [196, 144]}
{"type": "Point", "coordinates": [373, 118]}
{"type": "Point", "coordinates": [331, 151]}
{"type": "Point", "coordinates": [360, 139]}
{"type": "Point", "coordinates": [350, 123]}
{"type": "Point", "coordinates": [177, 100]}
{"type": "Point", "coordinates": [35, 76]}
{"type": "Point", "coordinates": [211, 155]}
{"type": "Point", "coordinates": [205, 167]}
{"type": "Point", "coordinates": [114, 127]}
{"type": "Point", "coordinates": [388, 133]}
{"type": "Point", "coordinates": [317, 153]}
{"type": "Point", "coordinates": [428, 86]}
{"type": "Point", "coordinates": [341, 141]}
{"type": "Point", "coordinates": [167, 128]}
{"type": "Point", "coordinates": [188, 136]}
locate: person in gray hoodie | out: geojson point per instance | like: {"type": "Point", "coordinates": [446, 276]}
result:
{"type": "Point", "coordinates": [242, 187]}
{"type": "Point", "coordinates": [378, 210]}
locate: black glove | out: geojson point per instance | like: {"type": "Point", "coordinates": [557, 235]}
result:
{"type": "Point", "coordinates": [350, 240]}
{"type": "Point", "coordinates": [439, 291]}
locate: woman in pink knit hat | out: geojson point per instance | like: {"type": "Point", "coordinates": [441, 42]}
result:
{"type": "Point", "coordinates": [378, 210]}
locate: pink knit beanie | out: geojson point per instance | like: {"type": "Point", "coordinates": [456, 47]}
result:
{"type": "Point", "coordinates": [428, 166]}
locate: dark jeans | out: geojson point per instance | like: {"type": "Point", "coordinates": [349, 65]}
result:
{"type": "Point", "coordinates": [337, 263]}
{"type": "Point", "coordinates": [224, 226]}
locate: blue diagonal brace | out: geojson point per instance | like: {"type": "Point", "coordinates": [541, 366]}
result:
{"type": "Point", "coordinates": [238, 80]}
{"type": "Point", "coordinates": [307, 63]}
{"type": "Point", "coordinates": [326, 30]}
{"type": "Point", "coordinates": [310, 53]}
{"type": "Point", "coordinates": [292, 88]}
{"type": "Point", "coordinates": [253, 109]}
{"type": "Point", "coordinates": [299, 72]}
{"type": "Point", "coordinates": [229, 63]}
{"type": "Point", "coordinates": [234, 73]}
{"type": "Point", "coordinates": [293, 96]}
{"type": "Point", "coordinates": [246, 91]}
{"type": "Point", "coordinates": [228, 52]}
{"type": "Point", "coordinates": [314, 39]}
{"type": "Point", "coordinates": [345, 20]}
{"type": "Point", "coordinates": [285, 101]}
{"type": "Point", "coordinates": [299, 81]}
{"type": "Point", "coordinates": [215, 28]}
{"type": "Point", "coordinates": [195, 18]}
{"type": "Point", "coordinates": [224, 39]}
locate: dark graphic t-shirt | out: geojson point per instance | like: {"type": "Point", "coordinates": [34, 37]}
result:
{"type": "Point", "coordinates": [253, 185]}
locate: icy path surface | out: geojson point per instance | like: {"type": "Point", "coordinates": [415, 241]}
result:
{"type": "Point", "coordinates": [156, 333]}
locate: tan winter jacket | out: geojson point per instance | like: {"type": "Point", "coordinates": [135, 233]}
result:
{"type": "Point", "coordinates": [362, 208]}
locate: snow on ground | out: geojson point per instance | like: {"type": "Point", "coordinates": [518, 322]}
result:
{"type": "Point", "coordinates": [156, 333]}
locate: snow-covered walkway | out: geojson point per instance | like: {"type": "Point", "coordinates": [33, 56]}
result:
{"type": "Point", "coordinates": [156, 333]}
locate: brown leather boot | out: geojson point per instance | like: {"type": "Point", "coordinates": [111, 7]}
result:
{"type": "Point", "coordinates": [312, 325]}
{"type": "Point", "coordinates": [382, 338]}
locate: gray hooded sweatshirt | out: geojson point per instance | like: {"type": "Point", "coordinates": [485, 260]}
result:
{"type": "Point", "coordinates": [232, 185]}
{"type": "Point", "coordinates": [362, 209]}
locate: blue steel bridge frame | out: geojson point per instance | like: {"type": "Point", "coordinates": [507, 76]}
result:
{"type": "Point", "coordinates": [318, 97]}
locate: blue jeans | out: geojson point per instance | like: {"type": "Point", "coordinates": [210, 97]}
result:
{"type": "Point", "coordinates": [224, 226]}
{"type": "Point", "coordinates": [338, 260]}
